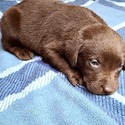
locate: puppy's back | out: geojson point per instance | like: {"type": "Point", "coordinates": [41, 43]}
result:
{"type": "Point", "coordinates": [41, 20]}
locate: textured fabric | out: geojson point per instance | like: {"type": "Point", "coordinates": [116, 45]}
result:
{"type": "Point", "coordinates": [33, 93]}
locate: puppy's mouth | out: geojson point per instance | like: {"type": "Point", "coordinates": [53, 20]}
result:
{"type": "Point", "coordinates": [99, 89]}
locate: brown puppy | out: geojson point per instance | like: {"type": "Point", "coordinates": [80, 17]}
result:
{"type": "Point", "coordinates": [72, 39]}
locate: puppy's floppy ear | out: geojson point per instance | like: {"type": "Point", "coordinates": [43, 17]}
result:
{"type": "Point", "coordinates": [73, 47]}
{"type": "Point", "coordinates": [72, 50]}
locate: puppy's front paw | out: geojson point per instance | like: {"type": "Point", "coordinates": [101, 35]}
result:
{"type": "Point", "coordinates": [75, 78]}
{"type": "Point", "coordinates": [24, 54]}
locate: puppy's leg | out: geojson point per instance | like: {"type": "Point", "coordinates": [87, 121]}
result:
{"type": "Point", "coordinates": [56, 60]}
{"type": "Point", "coordinates": [10, 26]}
{"type": "Point", "coordinates": [14, 47]}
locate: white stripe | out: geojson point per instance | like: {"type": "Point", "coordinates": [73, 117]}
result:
{"type": "Point", "coordinates": [18, 1]}
{"type": "Point", "coordinates": [40, 82]}
{"type": "Point", "coordinates": [1, 14]}
{"type": "Point", "coordinates": [17, 68]}
{"type": "Point", "coordinates": [122, 4]}
{"type": "Point", "coordinates": [88, 3]}
{"type": "Point", "coordinates": [118, 26]}
{"type": "Point", "coordinates": [66, 1]}
{"type": "Point", "coordinates": [118, 97]}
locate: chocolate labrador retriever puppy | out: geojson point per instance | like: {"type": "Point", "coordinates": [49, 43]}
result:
{"type": "Point", "coordinates": [72, 39]}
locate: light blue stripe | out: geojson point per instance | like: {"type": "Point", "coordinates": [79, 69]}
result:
{"type": "Point", "coordinates": [111, 16]}
{"type": "Point", "coordinates": [112, 5]}
{"type": "Point", "coordinates": [4, 5]}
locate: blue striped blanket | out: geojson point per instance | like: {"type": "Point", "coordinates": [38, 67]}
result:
{"type": "Point", "coordinates": [33, 93]}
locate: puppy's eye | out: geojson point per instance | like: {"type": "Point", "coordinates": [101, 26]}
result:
{"type": "Point", "coordinates": [94, 63]}
{"type": "Point", "coordinates": [120, 67]}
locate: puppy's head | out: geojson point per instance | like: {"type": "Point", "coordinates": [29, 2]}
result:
{"type": "Point", "coordinates": [100, 58]}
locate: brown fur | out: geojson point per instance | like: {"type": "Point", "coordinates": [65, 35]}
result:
{"type": "Point", "coordinates": [72, 39]}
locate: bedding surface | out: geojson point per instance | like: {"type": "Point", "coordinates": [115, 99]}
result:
{"type": "Point", "coordinates": [33, 93]}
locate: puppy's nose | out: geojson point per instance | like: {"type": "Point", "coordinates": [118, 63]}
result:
{"type": "Point", "coordinates": [108, 90]}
